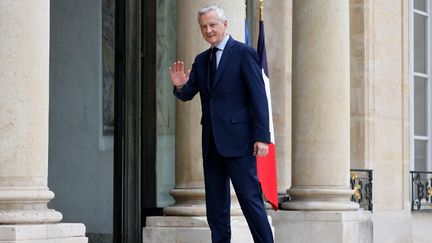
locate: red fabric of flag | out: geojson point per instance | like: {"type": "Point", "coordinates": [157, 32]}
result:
{"type": "Point", "coordinates": [266, 167]}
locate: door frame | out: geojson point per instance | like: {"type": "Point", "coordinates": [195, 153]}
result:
{"type": "Point", "coordinates": [135, 118]}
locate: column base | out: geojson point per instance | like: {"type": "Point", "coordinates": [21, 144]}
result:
{"type": "Point", "coordinates": [43, 233]}
{"type": "Point", "coordinates": [320, 205]}
{"type": "Point", "coordinates": [191, 202]}
{"type": "Point", "coordinates": [191, 229]}
{"type": "Point", "coordinates": [322, 226]}
{"type": "Point", "coordinates": [320, 199]}
{"type": "Point", "coordinates": [27, 206]}
{"type": "Point", "coordinates": [30, 216]}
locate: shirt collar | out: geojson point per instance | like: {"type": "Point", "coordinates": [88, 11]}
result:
{"type": "Point", "coordinates": [221, 46]}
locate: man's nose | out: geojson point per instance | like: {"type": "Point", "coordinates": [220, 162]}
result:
{"type": "Point", "coordinates": [208, 29]}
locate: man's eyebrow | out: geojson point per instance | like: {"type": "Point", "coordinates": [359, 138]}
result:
{"type": "Point", "coordinates": [210, 23]}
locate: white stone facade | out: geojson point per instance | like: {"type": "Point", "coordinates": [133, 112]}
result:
{"type": "Point", "coordinates": [358, 51]}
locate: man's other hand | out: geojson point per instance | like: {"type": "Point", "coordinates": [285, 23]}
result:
{"type": "Point", "coordinates": [260, 149]}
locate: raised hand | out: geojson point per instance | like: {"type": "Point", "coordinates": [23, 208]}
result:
{"type": "Point", "coordinates": [178, 77]}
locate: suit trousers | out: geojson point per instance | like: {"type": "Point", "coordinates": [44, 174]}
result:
{"type": "Point", "coordinates": [243, 174]}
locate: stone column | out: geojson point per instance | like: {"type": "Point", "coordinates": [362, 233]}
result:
{"type": "Point", "coordinates": [321, 131]}
{"type": "Point", "coordinates": [24, 82]}
{"type": "Point", "coordinates": [189, 188]}
{"type": "Point", "coordinates": [24, 92]}
{"type": "Point", "coordinates": [186, 221]}
{"type": "Point", "coordinates": [321, 106]}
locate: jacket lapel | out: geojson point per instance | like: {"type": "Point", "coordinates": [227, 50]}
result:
{"type": "Point", "coordinates": [226, 54]}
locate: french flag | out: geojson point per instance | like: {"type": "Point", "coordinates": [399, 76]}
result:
{"type": "Point", "coordinates": [266, 166]}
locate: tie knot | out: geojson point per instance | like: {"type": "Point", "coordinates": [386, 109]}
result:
{"type": "Point", "coordinates": [214, 50]}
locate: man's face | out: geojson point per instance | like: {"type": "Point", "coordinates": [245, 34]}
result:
{"type": "Point", "coordinates": [212, 28]}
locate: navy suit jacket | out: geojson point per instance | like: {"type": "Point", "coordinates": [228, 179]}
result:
{"type": "Point", "coordinates": [235, 108]}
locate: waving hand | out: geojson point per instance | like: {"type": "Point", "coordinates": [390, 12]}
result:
{"type": "Point", "coordinates": [178, 77]}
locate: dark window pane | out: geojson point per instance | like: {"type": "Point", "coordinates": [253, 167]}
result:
{"type": "Point", "coordinates": [420, 158]}
{"type": "Point", "coordinates": [420, 106]}
{"type": "Point", "coordinates": [420, 40]}
{"type": "Point", "coordinates": [420, 5]}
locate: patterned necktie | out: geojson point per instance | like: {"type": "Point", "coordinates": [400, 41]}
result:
{"type": "Point", "coordinates": [212, 67]}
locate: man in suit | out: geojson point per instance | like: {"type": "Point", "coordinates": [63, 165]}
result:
{"type": "Point", "coordinates": [234, 123]}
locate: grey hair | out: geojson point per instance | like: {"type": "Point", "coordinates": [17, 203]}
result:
{"type": "Point", "coordinates": [219, 11]}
